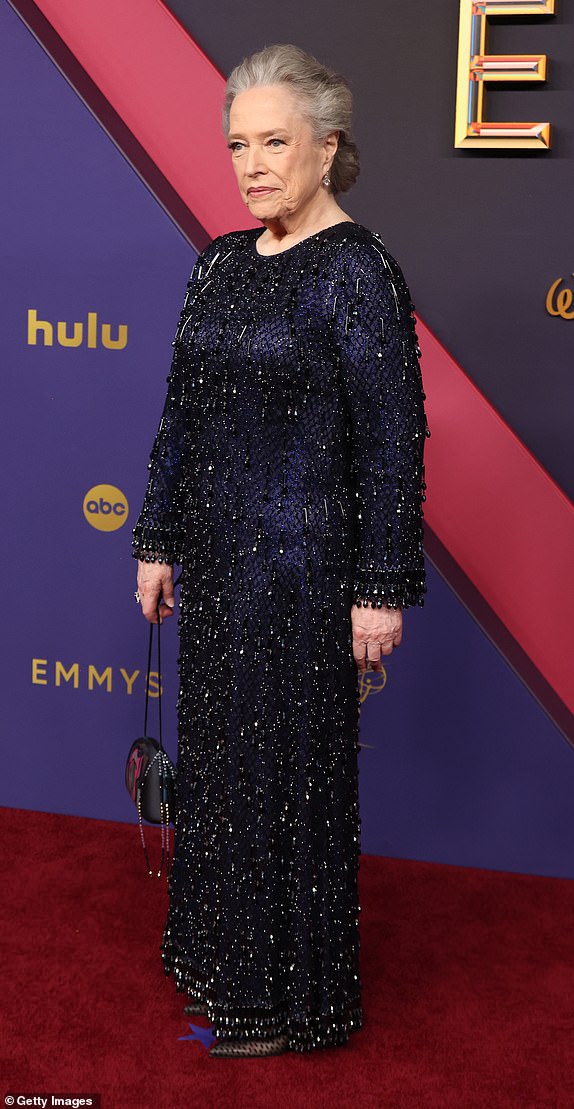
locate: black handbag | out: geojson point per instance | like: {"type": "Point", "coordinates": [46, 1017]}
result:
{"type": "Point", "coordinates": [150, 775]}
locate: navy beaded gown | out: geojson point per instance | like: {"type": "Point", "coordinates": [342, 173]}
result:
{"type": "Point", "coordinates": [286, 479]}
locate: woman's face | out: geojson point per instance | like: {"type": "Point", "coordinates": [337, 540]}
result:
{"type": "Point", "coordinates": [279, 168]}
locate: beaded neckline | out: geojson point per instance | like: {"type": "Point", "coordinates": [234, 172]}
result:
{"type": "Point", "coordinates": [307, 239]}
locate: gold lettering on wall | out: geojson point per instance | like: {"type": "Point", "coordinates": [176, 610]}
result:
{"type": "Point", "coordinates": [106, 677]}
{"type": "Point", "coordinates": [78, 676]}
{"type": "Point", "coordinates": [73, 674]}
{"type": "Point", "coordinates": [559, 301]}
{"type": "Point", "coordinates": [45, 329]}
{"type": "Point", "coordinates": [129, 679]}
{"type": "Point", "coordinates": [475, 67]}
{"type": "Point", "coordinates": [39, 671]}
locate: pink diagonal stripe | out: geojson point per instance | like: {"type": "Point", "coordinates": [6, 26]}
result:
{"type": "Point", "coordinates": [500, 515]}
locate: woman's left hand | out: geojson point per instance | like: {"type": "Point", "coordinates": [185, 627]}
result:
{"type": "Point", "coordinates": [375, 632]}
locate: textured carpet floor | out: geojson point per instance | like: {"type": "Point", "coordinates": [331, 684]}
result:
{"type": "Point", "coordinates": [468, 980]}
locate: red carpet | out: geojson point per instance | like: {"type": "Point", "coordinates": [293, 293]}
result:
{"type": "Point", "coordinates": [468, 986]}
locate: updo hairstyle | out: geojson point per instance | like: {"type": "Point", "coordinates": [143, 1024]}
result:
{"type": "Point", "coordinates": [324, 97]}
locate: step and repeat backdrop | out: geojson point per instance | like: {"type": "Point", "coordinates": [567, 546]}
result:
{"type": "Point", "coordinates": [459, 762]}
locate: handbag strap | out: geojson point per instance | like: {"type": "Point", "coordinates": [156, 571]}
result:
{"type": "Point", "coordinates": [149, 651]}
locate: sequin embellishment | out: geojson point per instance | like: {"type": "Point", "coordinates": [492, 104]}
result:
{"type": "Point", "coordinates": [287, 479]}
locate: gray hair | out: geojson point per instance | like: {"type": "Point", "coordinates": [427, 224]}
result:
{"type": "Point", "coordinates": [324, 96]}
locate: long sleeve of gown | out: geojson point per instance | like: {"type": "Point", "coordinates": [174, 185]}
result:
{"type": "Point", "coordinates": [378, 363]}
{"type": "Point", "coordinates": [159, 534]}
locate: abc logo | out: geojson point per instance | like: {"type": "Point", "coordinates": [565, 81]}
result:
{"type": "Point", "coordinates": [105, 507]}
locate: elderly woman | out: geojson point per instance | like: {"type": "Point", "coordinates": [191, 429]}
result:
{"type": "Point", "coordinates": [286, 479]}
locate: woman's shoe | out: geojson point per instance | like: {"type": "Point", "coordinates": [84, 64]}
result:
{"type": "Point", "coordinates": [196, 1009]}
{"type": "Point", "coordinates": [230, 1049]}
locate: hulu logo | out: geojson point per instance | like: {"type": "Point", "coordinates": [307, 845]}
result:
{"type": "Point", "coordinates": [90, 334]}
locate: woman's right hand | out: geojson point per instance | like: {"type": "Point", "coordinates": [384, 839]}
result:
{"type": "Point", "coordinates": [155, 583]}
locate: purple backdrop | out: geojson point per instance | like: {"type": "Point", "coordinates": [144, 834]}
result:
{"type": "Point", "coordinates": [459, 762]}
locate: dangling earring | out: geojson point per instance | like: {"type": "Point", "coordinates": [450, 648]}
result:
{"type": "Point", "coordinates": [326, 180]}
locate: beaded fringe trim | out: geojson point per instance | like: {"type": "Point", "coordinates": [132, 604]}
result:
{"type": "Point", "coordinates": [316, 1030]}
{"type": "Point", "coordinates": [155, 553]}
{"type": "Point", "coordinates": [393, 589]}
